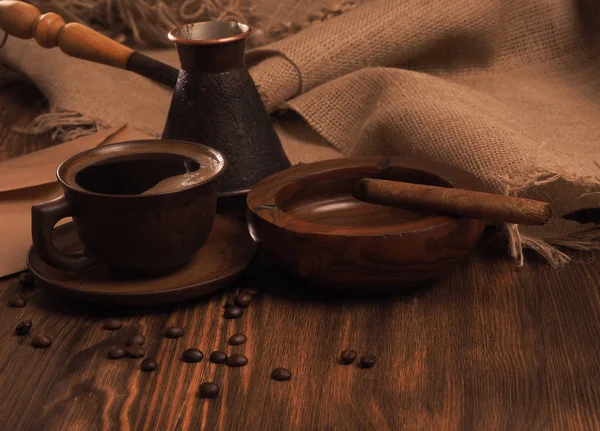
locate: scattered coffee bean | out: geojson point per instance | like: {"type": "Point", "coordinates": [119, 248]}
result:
{"type": "Point", "coordinates": [243, 299]}
{"type": "Point", "coordinates": [26, 278]}
{"type": "Point", "coordinates": [237, 339]}
{"type": "Point", "coordinates": [367, 361]}
{"type": "Point", "coordinates": [237, 360]}
{"type": "Point", "coordinates": [148, 364]}
{"type": "Point", "coordinates": [208, 390]}
{"type": "Point", "coordinates": [16, 301]}
{"type": "Point", "coordinates": [192, 356]}
{"type": "Point", "coordinates": [112, 324]}
{"type": "Point", "coordinates": [229, 303]}
{"type": "Point", "coordinates": [174, 332]}
{"type": "Point", "coordinates": [218, 357]}
{"type": "Point", "coordinates": [138, 339]}
{"type": "Point", "coordinates": [23, 327]}
{"type": "Point", "coordinates": [233, 312]}
{"type": "Point", "coordinates": [41, 340]}
{"type": "Point", "coordinates": [281, 374]}
{"type": "Point", "coordinates": [348, 356]}
{"type": "Point", "coordinates": [115, 353]}
{"type": "Point", "coordinates": [135, 351]}
{"type": "Point", "coordinates": [251, 290]}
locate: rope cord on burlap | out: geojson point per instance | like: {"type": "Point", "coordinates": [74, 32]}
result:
{"type": "Point", "coordinates": [146, 23]}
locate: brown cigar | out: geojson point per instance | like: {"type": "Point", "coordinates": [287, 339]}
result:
{"type": "Point", "coordinates": [457, 202]}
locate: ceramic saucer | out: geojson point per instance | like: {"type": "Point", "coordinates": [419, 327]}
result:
{"type": "Point", "coordinates": [227, 253]}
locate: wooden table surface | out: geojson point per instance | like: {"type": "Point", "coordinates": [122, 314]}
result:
{"type": "Point", "coordinates": [489, 347]}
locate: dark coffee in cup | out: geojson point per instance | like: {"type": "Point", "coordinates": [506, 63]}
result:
{"type": "Point", "coordinates": [132, 174]}
{"type": "Point", "coordinates": [144, 207]}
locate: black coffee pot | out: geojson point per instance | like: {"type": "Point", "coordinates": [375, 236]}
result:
{"type": "Point", "coordinates": [216, 103]}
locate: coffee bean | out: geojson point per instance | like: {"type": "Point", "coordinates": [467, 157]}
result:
{"type": "Point", "coordinates": [208, 390]}
{"type": "Point", "coordinates": [192, 356]}
{"type": "Point", "coordinates": [26, 279]}
{"type": "Point", "coordinates": [23, 327]}
{"type": "Point", "coordinates": [218, 357]}
{"type": "Point", "coordinates": [138, 339]}
{"type": "Point", "coordinates": [112, 324]}
{"type": "Point", "coordinates": [41, 340]}
{"type": "Point", "coordinates": [135, 351]}
{"type": "Point", "coordinates": [148, 364]}
{"type": "Point", "coordinates": [251, 290]}
{"type": "Point", "coordinates": [229, 303]}
{"type": "Point", "coordinates": [174, 332]}
{"type": "Point", "coordinates": [237, 339]}
{"type": "Point", "coordinates": [233, 312]}
{"type": "Point", "coordinates": [281, 374]}
{"type": "Point", "coordinates": [237, 360]}
{"type": "Point", "coordinates": [367, 361]}
{"type": "Point", "coordinates": [115, 353]}
{"type": "Point", "coordinates": [243, 299]}
{"type": "Point", "coordinates": [348, 356]}
{"type": "Point", "coordinates": [16, 301]}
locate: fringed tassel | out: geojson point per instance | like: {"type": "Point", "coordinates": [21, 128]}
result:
{"type": "Point", "coordinates": [517, 242]}
{"type": "Point", "coordinates": [62, 125]}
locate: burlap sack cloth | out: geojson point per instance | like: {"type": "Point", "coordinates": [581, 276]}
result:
{"type": "Point", "coordinates": [506, 89]}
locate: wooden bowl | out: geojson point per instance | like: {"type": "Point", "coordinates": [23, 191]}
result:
{"type": "Point", "coordinates": [306, 219]}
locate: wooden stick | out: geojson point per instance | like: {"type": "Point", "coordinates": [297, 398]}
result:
{"type": "Point", "coordinates": [25, 21]}
{"type": "Point", "coordinates": [458, 202]}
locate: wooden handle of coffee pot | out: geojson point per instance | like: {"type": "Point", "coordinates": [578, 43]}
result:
{"type": "Point", "coordinates": [458, 202]}
{"type": "Point", "coordinates": [25, 21]}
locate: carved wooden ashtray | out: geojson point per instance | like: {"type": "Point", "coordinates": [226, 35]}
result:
{"type": "Point", "coordinates": [307, 219]}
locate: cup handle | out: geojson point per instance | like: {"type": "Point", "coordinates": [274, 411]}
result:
{"type": "Point", "coordinates": [44, 217]}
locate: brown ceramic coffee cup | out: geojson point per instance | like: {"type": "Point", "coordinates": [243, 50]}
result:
{"type": "Point", "coordinates": [142, 207]}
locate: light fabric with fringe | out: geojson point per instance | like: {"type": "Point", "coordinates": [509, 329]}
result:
{"type": "Point", "coordinates": [63, 125]}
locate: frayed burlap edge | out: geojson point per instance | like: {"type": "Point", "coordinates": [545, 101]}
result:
{"type": "Point", "coordinates": [551, 249]}
{"type": "Point", "coordinates": [62, 125]}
